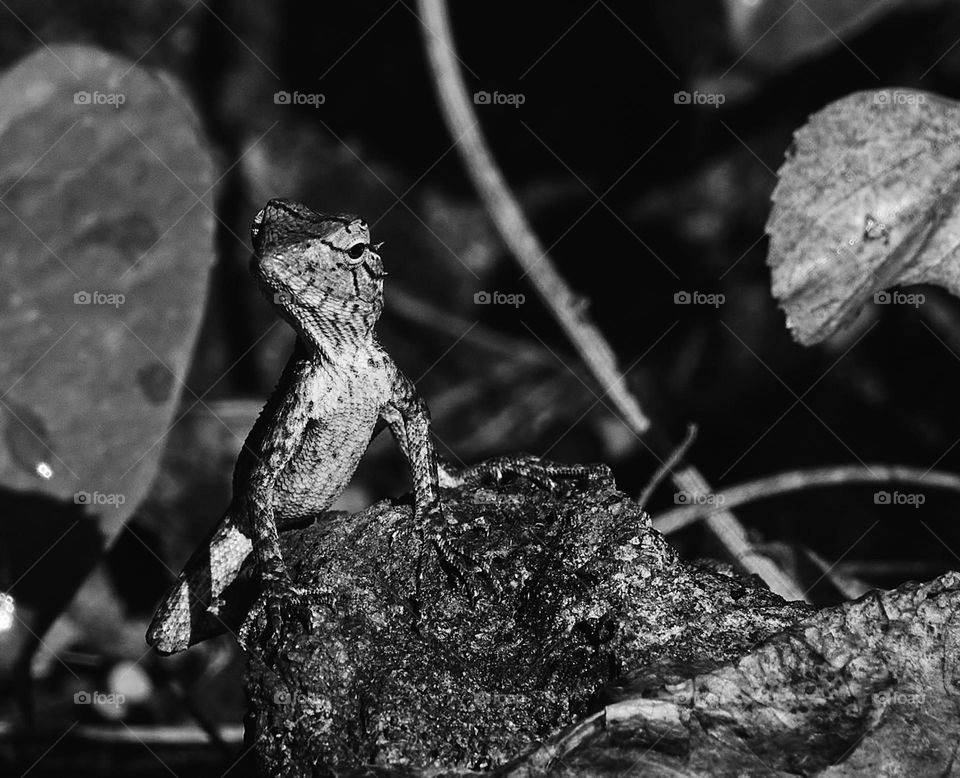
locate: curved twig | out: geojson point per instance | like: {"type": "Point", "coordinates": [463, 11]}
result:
{"type": "Point", "coordinates": [667, 467]}
{"type": "Point", "coordinates": [510, 220]}
{"type": "Point", "coordinates": [797, 480]}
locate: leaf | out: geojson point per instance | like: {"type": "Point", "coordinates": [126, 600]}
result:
{"type": "Point", "coordinates": [775, 34]}
{"type": "Point", "coordinates": [106, 230]}
{"type": "Point", "coordinates": [867, 200]}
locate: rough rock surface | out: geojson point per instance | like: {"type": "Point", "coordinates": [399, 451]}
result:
{"type": "Point", "coordinates": [586, 593]}
{"type": "Point", "coordinates": [598, 652]}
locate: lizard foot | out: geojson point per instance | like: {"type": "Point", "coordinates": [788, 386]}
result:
{"type": "Point", "coordinates": [548, 475]}
{"type": "Point", "coordinates": [461, 568]}
{"type": "Point", "coordinates": [281, 605]}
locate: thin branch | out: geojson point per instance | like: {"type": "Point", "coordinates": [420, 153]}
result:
{"type": "Point", "coordinates": [667, 467]}
{"type": "Point", "coordinates": [797, 480]}
{"type": "Point", "coordinates": [732, 535]}
{"type": "Point", "coordinates": [565, 306]}
{"type": "Point", "coordinates": [510, 220]}
{"type": "Point", "coordinates": [849, 586]}
{"type": "Point", "coordinates": [178, 735]}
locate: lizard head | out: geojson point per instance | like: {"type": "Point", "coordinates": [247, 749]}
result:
{"type": "Point", "coordinates": [319, 270]}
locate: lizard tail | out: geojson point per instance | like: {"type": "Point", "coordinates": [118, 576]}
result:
{"type": "Point", "coordinates": [195, 609]}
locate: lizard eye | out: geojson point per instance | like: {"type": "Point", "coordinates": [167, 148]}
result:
{"type": "Point", "coordinates": [356, 250]}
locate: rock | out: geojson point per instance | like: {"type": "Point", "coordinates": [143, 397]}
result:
{"type": "Point", "coordinates": [590, 604]}
{"type": "Point", "coordinates": [600, 653]}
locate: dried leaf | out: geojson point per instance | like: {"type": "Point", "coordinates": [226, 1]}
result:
{"type": "Point", "coordinates": [867, 200]}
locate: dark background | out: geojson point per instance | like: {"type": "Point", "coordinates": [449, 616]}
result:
{"type": "Point", "coordinates": [638, 198]}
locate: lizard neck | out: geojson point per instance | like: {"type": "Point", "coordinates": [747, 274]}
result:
{"type": "Point", "coordinates": [334, 345]}
{"type": "Point", "coordinates": [333, 336]}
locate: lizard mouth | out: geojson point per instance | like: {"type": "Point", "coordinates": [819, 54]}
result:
{"type": "Point", "coordinates": [376, 275]}
{"type": "Point", "coordinates": [368, 291]}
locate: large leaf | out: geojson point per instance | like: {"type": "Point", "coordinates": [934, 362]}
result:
{"type": "Point", "coordinates": [867, 200]}
{"type": "Point", "coordinates": [106, 240]}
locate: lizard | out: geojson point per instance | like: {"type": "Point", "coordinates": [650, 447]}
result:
{"type": "Point", "coordinates": [339, 388]}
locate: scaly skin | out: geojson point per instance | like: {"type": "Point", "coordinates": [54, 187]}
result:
{"type": "Point", "coordinates": [326, 280]}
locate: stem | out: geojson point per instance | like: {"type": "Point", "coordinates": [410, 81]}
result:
{"type": "Point", "coordinates": [797, 480]}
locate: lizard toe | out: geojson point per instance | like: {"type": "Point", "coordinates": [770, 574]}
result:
{"type": "Point", "coordinates": [464, 571]}
{"type": "Point", "coordinates": [283, 609]}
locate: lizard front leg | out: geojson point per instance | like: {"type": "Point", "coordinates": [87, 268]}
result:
{"type": "Point", "coordinates": [280, 444]}
{"type": "Point", "coordinates": [408, 417]}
